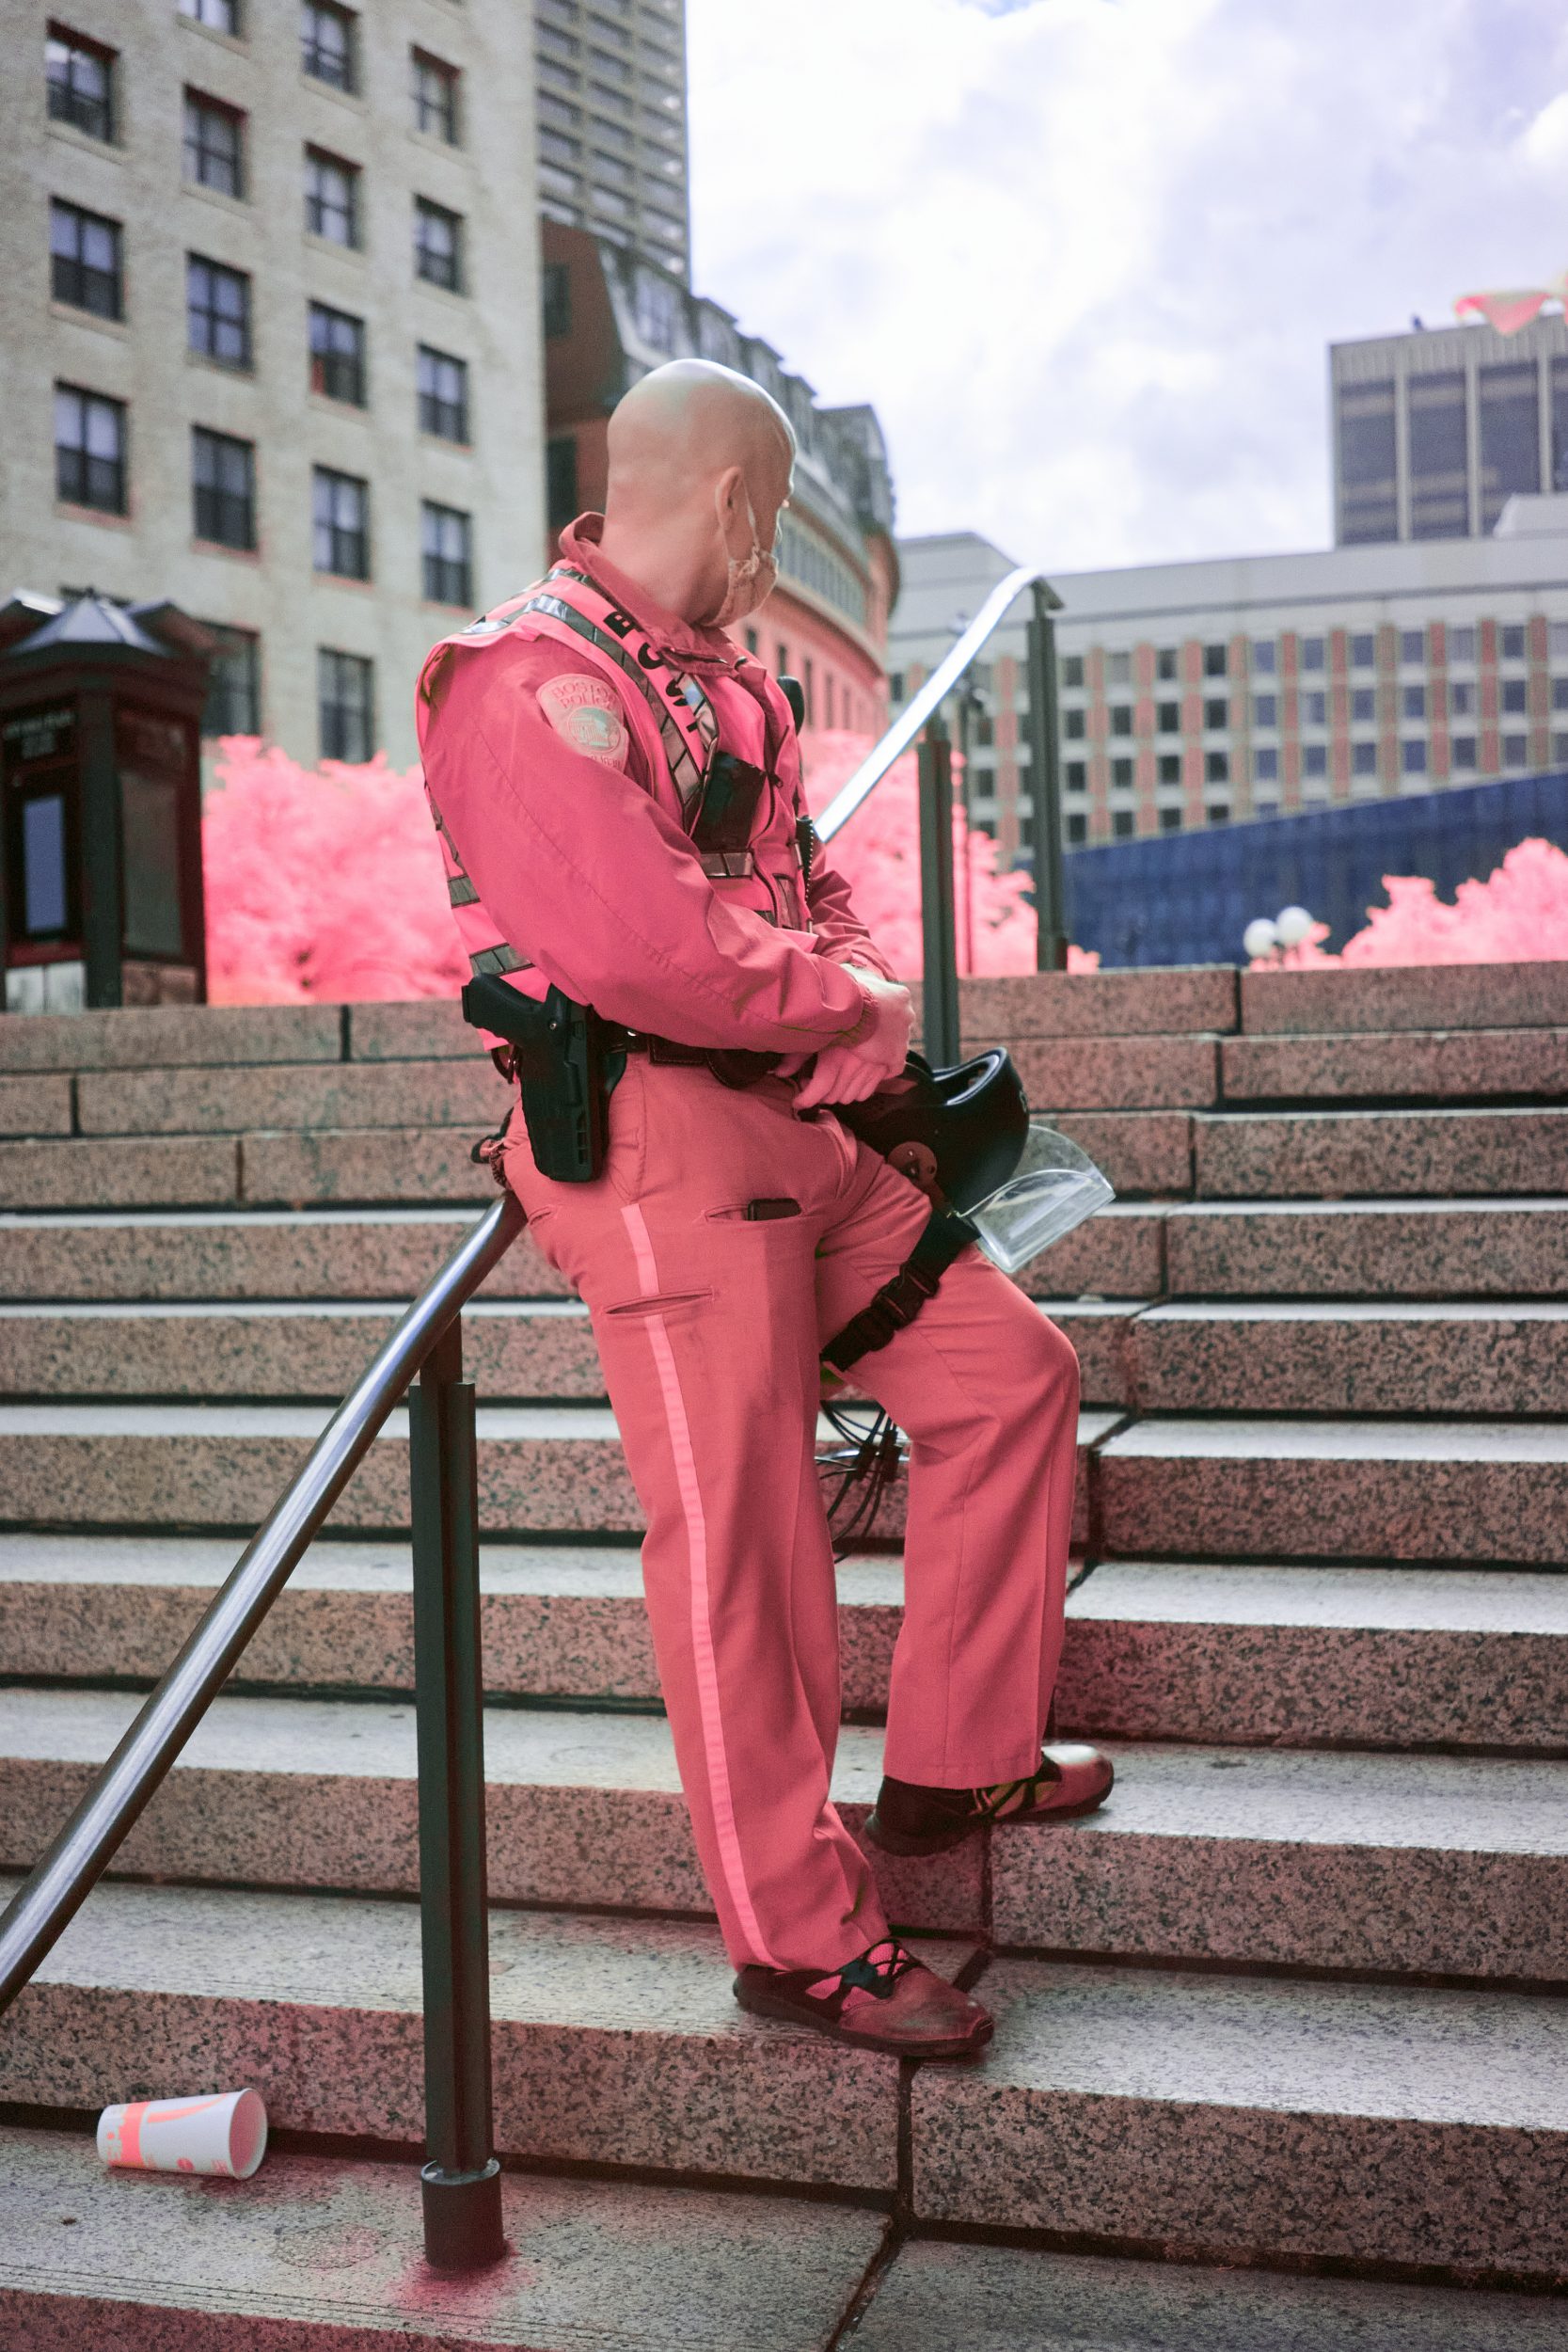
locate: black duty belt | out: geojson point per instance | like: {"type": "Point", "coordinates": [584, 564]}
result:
{"type": "Point", "coordinates": [733, 1066]}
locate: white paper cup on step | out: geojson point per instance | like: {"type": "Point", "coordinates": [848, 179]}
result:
{"type": "Point", "coordinates": [225, 2133]}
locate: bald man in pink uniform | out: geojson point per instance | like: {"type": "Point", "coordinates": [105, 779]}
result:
{"type": "Point", "coordinates": [734, 1228]}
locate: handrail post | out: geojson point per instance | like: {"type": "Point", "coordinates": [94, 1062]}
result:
{"type": "Point", "coordinates": [461, 2179]}
{"type": "Point", "coordinates": [940, 988]}
{"type": "Point", "coordinates": [1045, 783]}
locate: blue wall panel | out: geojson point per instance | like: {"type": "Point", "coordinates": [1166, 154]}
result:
{"type": "Point", "coordinates": [1186, 897]}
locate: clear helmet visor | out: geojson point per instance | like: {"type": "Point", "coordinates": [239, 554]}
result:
{"type": "Point", "coordinates": [1055, 1187]}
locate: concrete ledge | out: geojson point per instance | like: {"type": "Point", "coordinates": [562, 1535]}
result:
{"type": "Point", "coordinates": [404, 1096]}
{"type": "Point", "coordinates": [34, 1106]}
{"type": "Point", "coordinates": [1368, 1249]}
{"type": "Point", "coordinates": [168, 1037]}
{"type": "Point", "coordinates": [1119, 1073]}
{"type": "Point", "coordinates": [1467, 1065]}
{"type": "Point", "coordinates": [358, 1165]}
{"type": "Point", "coordinates": [1245, 2120]}
{"type": "Point", "coordinates": [130, 1172]}
{"type": "Point", "coordinates": [1284, 1155]}
{"type": "Point", "coordinates": [1414, 996]}
{"type": "Point", "coordinates": [1178, 999]}
{"type": "Point", "coordinates": [429, 1028]}
{"type": "Point", "coordinates": [317, 2254]}
{"type": "Point", "coordinates": [1315, 1356]}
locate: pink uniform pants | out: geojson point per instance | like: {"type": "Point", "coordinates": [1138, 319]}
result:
{"type": "Point", "coordinates": [708, 1325]}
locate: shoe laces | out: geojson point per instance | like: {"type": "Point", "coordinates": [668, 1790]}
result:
{"type": "Point", "coordinates": [868, 1974]}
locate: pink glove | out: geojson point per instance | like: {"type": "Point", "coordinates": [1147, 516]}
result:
{"type": "Point", "coordinates": [850, 1073]}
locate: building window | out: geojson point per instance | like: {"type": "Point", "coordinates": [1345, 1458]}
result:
{"type": "Point", "coordinates": [1121, 719]}
{"type": "Point", "coordinates": [342, 515]}
{"type": "Point", "coordinates": [1461, 750]}
{"type": "Point", "coordinates": [896, 677]}
{"type": "Point", "coordinates": [1170, 820]}
{"type": "Point", "coordinates": [222, 483]}
{"type": "Point", "coordinates": [1121, 775]}
{"type": "Point", "coordinates": [1124, 824]}
{"type": "Point", "coordinates": [560, 480]}
{"type": "Point", "coordinates": [233, 704]}
{"type": "Point", "coordinates": [1413, 756]}
{"type": "Point", "coordinates": [1118, 669]}
{"type": "Point", "coordinates": [217, 311]}
{"type": "Point", "coordinates": [1515, 751]}
{"type": "Point", "coordinates": [219, 16]}
{"type": "Point", "coordinates": [1072, 669]}
{"type": "Point", "coordinates": [1314, 710]}
{"type": "Point", "coordinates": [1513, 640]}
{"type": "Point", "coordinates": [214, 144]}
{"type": "Point", "coordinates": [331, 198]}
{"type": "Point", "coordinates": [337, 355]}
{"type": "Point", "coordinates": [438, 245]}
{"type": "Point", "coordinates": [1363, 759]}
{"type": "Point", "coordinates": [90, 450]}
{"type": "Point", "coordinates": [1262, 810]}
{"type": "Point", "coordinates": [1413, 644]}
{"type": "Point", "coordinates": [1439, 466]}
{"type": "Point", "coordinates": [1363, 705]}
{"type": "Point", "coordinates": [1072, 725]}
{"type": "Point", "coordinates": [1314, 759]}
{"type": "Point", "coordinates": [558, 300]}
{"type": "Point", "coordinates": [81, 82]}
{"type": "Point", "coordinates": [1265, 710]}
{"type": "Point", "coordinates": [1413, 702]}
{"type": "Point", "coordinates": [1167, 662]}
{"type": "Point", "coordinates": [1560, 693]}
{"type": "Point", "coordinates": [1462, 700]}
{"type": "Point", "coordinates": [1363, 652]}
{"type": "Point", "coordinates": [1077, 775]}
{"type": "Point", "coordinates": [1167, 717]}
{"type": "Point", "coordinates": [1461, 645]}
{"type": "Point", "coordinates": [443, 394]}
{"type": "Point", "coordinates": [1170, 768]}
{"type": "Point", "coordinates": [435, 93]}
{"type": "Point", "coordinates": [1218, 812]}
{"type": "Point", "coordinates": [1077, 827]}
{"type": "Point", "coordinates": [1557, 640]}
{"type": "Point", "coordinates": [445, 540]}
{"type": "Point", "coordinates": [344, 703]}
{"type": "Point", "coordinates": [1263, 657]}
{"type": "Point", "coordinates": [1214, 662]}
{"type": "Point", "coordinates": [1217, 767]}
{"type": "Point", "coordinates": [1368, 491]}
{"type": "Point", "coordinates": [1217, 712]}
{"type": "Point", "coordinates": [1513, 700]}
{"type": "Point", "coordinates": [1509, 435]}
{"type": "Point", "coordinates": [1266, 765]}
{"type": "Point", "coordinates": [85, 261]}
{"type": "Point", "coordinates": [327, 48]}
{"type": "Point", "coordinates": [1559, 750]}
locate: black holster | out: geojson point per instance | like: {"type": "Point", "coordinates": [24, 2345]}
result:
{"type": "Point", "coordinates": [563, 1067]}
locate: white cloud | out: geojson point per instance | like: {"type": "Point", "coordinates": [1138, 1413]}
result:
{"type": "Point", "coordinates": [1085, 255]}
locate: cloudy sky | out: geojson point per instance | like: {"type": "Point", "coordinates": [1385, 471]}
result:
{"type": "Point", "coordinates": [1085, 255]}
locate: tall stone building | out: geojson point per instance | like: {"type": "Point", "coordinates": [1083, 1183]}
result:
{"type": "Point", "coordinates": [271, 333]}
{"type": "Point", "coordinates": [612, 135]}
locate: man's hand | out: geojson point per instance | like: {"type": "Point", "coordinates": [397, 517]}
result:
{"type": "Point", "coordinates": [849, 1073]}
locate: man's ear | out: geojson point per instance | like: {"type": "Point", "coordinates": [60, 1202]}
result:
{"type": "Point", "coordinates": [729, 497]}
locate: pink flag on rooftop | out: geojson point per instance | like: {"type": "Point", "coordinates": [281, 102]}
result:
{"type": "Point", "coordinates": [1509, 309]}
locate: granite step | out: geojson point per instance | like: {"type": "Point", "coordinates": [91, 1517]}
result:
{"type": "Point", "coordinates": [1463, 1065]}
{"type": "Point", "coordinates": [1439, 1865]}
{"type": "Point", "coordinates": [616, 2042]}
{"type": "Point", "coordinates": [546, 1468]}
{"type": "Point", "coordinates": [1440, 1250]}
{"type": "Point", "coordinates": [319, 2254]}
{"type": "Point", "coordinates": [1410, 1357]}
{"type": "Point", "coordinates": [390, 1253]}
{"type": "Point", "coordinates": [1380, 1491]}
{"type": "Point", "coordinates": [395, 1096]}
{"type": "Point", "coordinates": [1236, 2120]}
{"type": "Point", "coordinates": [1282, 1155]}
{"type": "Point", "coordinates": [1398, 1657]}
{"type": "Point", "coordinates": [1392, 998]}
{"type": "Point", "coordinates": [176, 1036]}
{"type": "Point", "coordinates": [524, 1350]}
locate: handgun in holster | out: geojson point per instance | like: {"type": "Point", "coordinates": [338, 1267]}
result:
{"type": "Point", "coordinates": [562, 1067]}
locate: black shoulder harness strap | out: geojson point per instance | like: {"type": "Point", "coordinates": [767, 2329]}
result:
{"type": "Point", "coordinates": [900, 1299]}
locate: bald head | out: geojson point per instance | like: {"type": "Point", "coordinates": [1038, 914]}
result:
{"type": "Point", "coordinates": [699, 465]}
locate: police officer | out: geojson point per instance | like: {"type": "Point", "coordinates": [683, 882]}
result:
{"type": "Point", "coordinates": [573, 741]}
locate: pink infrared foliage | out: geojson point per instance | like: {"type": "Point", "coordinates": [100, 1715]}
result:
{"type": "Point", "coordinates": [323, 885]}
{"type": "Point", "coordinates": [877, 852]}
{"type": "Point", "coordinates": [1518, 914]}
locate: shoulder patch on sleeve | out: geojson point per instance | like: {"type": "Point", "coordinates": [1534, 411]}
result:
{"type": "Point", "coordinates": [587, 712]}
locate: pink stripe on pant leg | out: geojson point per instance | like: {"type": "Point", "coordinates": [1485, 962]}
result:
{"type": "Point", "coordinates": [705, 1664]}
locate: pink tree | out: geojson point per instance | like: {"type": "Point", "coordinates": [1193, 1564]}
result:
{"type": "Point", "coordinates": [1518, 914]}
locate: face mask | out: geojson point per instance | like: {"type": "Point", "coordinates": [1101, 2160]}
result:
{"type": "Point", "coordinates": [750, 579]}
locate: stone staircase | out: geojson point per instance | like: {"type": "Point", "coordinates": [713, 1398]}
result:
{"type": "Point", "coordinates": [1282, 2015]}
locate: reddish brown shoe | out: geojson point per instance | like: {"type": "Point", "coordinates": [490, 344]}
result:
{"type": "Point", "coordinates": [911, 1819]}
{"type": "Point", "coordinates": [884, 2000]}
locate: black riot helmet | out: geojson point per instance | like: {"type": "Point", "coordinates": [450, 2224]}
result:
{"type": "Point", "coordinates": [959, 1132]}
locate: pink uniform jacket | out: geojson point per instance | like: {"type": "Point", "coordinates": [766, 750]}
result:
{"type": "Point", "coordinates": [565, 739]}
